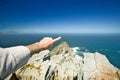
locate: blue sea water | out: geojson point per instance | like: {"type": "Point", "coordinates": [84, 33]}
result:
{"type": "Point", "coordinates": [107, 44]}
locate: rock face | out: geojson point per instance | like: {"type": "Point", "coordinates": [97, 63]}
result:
{"type": "Point", "coordinates": [63, 64]}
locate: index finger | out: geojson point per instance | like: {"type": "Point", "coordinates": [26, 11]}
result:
{"type": "Point", "coordinates": [56, 39]}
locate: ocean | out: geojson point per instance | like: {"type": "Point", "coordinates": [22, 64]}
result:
{"type": "Point", "coordinates": [107, 44]}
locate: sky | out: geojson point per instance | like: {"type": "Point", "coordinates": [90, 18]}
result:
{"type": "Point", "coordinates": [60, 16]}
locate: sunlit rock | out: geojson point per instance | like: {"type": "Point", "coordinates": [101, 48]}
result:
{"type": "Point", "coordinates": [63, 64]}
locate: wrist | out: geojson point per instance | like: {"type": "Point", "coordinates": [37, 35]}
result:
{"type": "Point", "coordinates": [34, 48]}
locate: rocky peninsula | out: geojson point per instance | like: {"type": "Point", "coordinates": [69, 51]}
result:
{"type": "Point", "coordinates": [63, 64]}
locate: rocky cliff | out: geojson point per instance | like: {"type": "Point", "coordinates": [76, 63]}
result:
{"type": "Point", "coordinates": [63, 64]}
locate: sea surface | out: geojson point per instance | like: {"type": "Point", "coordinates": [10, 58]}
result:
{"type": "Point", "coordinates": [107, 44]}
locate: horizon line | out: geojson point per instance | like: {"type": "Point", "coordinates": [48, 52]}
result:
{"type": "Point", "coordinates": [16, 32]}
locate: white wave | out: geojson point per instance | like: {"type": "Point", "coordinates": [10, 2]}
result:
{"type": "Point", "coordinates": [118, 51]}
{"type": "Point", "coordinates": [86, 50]}
{"type": "Point", "coordinates": [76, 49]}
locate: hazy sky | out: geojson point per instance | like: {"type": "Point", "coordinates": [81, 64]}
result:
{"type": "Point", "coordinates": [60, 16]}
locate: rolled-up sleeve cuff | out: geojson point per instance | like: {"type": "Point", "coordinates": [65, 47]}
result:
{"type": "Point", "coordinates": [21, 54]}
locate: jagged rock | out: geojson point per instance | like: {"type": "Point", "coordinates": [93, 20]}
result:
{"type": "Point", "coordinates": [97, 66]}
{"type": "Point", "coordinates": [119, 74]}
{"type": "Point", "coordinates": [63, 48]}
{"type": "Point", "coordinates": [64, 64]}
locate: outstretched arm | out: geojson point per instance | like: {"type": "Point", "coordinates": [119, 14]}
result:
{"type": "Point", "coordinates": [13, 58]}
